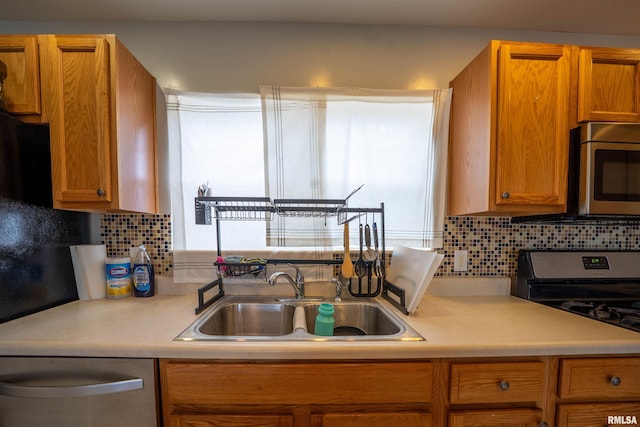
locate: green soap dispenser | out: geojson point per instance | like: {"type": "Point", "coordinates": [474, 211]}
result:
{"type": "Point", "coordinates": [325, 321]}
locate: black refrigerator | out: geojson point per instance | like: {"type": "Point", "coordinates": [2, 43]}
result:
{"type": "Point", "coordinates": [36, 272]}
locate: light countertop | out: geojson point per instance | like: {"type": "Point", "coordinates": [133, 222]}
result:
{"type": "Point", "coordinates": [453, 325]}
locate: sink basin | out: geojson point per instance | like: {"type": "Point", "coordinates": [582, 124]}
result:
{"type": "Point", "coordinates": [357, 318]}
{"type": "Point", "coordinates": [245, 318]}
{"type": "Point", "coordinates": [250, 319]}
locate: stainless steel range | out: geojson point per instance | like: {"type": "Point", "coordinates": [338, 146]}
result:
{"type": "Point", "coordinates": [603, 285]}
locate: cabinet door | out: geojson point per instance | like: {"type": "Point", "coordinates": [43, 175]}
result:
{"type": "Point", "coordinates": [497, 418]}
{"type": "Point", "coordinates": [609, 85]}
{"type": "Point", "coordinates": [78, 71]}
{"type": "Point", "coordinates": [231, 421]}
{"type": "Point", "coordinates": [378, 419]}
{"type": "Point", "coordinates": [598, 415]}
{"type": "Point", "coordinates": [532, 125]}
{"type": "Point", "coordinates": [22, 86]}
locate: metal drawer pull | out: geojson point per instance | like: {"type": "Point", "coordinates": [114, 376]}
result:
{"type": "Point", "coordinates": [616, 381]}
{"type": "Point", "coordinates": [543, 424]}
{"type": "Point", "coordinates": [504, 385]}
{"type": "Point", "coordinates": [47, 392]}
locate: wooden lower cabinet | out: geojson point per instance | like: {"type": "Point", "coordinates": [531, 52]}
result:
{"type": "Point", "coordinates": [548, 391]}
{"type": "Point", "coordinates": [598, 391]}
{"type": "Point", "coordinates": [314, 394]}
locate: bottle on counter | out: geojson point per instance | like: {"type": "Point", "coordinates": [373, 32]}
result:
{"type": "Point", "coordinates": [143, 277]}
{"type": "Point", "coordinates": [325, 321]}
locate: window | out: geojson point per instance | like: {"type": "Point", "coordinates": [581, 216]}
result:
{"type": "Point", "coordinates": [324, 143]}
{"type": "Point", "coordinates": [311, 143]}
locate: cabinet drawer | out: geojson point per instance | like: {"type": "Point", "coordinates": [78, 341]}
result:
{"type": "Point", "coordinates": [597, 414]}
{"type": "Point", "coordinates": [231, 421]}
{"type": "Point", "coordinates": [496, 418]}
{"type": "Point", "coordinates": [378, 419]}
{"type": "Point", "coordinates": [497, 382]}
{"type": "Point", "coordinates": [201, 383]}
{"type": "Point", "coordinates": [602, 378]}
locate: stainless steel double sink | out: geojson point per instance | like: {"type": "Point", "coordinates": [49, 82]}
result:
{"type": "Point", "coordinates": [249, 318]}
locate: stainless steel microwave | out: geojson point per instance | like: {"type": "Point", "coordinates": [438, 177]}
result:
{"type": "Point", "coordinates": [609, 169]}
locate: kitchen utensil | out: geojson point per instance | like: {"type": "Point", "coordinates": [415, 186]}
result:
{"type": "Point", "coordinates": [361, 265]}
{"type": "Point", "coordinates": [412, 270]}
{"type": "Point", "coordinates": [369, 254]}
{"type": "Point", "coordinates": [378, 264]}
{"type": "Point", "coordinates": [347, 264]}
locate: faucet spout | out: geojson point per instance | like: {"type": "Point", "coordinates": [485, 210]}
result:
{"type": "Point", "coordinates": [297, 284]}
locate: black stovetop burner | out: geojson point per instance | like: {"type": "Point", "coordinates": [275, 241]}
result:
{"type": "Point", "coordinates": [625, 314]}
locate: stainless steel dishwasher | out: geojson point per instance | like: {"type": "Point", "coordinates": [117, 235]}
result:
{"type": "Point", "coordinates": [78, 392]}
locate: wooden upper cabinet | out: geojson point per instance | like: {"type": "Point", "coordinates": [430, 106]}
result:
{"type": "Point", "coordinates": [22, 85]}
{"type": "Point", "coordinates": [100, 103]}
{"type": "Point", "coordinates": [80, 118]}
{"type": "Point", "coordinates": [510, 131]}
{"type": "Point", "coordinates": [532, 141]}
{"type": "Point", "coordinates": [608, 84]}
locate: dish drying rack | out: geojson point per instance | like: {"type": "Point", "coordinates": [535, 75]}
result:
{"type": "Point", "coordinates": [214, 210]}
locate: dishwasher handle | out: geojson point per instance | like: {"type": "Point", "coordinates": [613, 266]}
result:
{"type": "Point", "coordinates": [48, 392]}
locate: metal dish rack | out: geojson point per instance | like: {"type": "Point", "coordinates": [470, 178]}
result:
{"type": "Point", "coordinates": [210, 210]}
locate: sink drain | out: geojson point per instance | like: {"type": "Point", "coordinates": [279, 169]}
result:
{"type": "Point", "coordinates": [347, 330]}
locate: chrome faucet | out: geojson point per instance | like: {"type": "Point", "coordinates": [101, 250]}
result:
{"type": "Point", "coordinates": [298, 283]}
{"type": "Point", "coordinates": [339, 285]}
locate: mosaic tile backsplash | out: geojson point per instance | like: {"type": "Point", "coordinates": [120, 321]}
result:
{"type": "Point", "coordinates": [492, 242]}
{"type": "Point", "coordinates": [120, 232]}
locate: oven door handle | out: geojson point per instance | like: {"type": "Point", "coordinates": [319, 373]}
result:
{"type": "Point", "coordinates": [84, 390]}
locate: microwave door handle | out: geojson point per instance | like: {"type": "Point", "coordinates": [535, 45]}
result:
{"type": "Point", "coordinates": [48, 392]}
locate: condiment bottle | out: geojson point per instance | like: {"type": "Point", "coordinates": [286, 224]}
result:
{"type": "Point", "coordinates": [143, 278]}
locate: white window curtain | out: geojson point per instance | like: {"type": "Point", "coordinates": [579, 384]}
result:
{"type": "Point", "coordinates": [214, 139]}
{"type": "Point", "coordinates": [325, 142]}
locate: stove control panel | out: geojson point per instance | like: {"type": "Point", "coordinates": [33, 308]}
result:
{"type": "Point", "coordinates": [595, 262]}
{"type": "Point", "coordinates": [550, 265]}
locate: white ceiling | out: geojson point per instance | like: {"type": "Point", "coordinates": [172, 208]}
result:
{"type": "Point", "coordinates": [576, 16]}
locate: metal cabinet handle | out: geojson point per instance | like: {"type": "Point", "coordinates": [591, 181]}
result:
{"type": "Point", "coordinates": [543, 424]}
{"type": "Point", "coordinates": [100, 192]}
{"type": "Point", "coordinates": [505, 195]}
{"type": "Point", "coordinates": [504, 385]}
{"type": "Point", "coordinates": [616, 381]}
{"type": "Point", "coordinates": [15, 390]}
